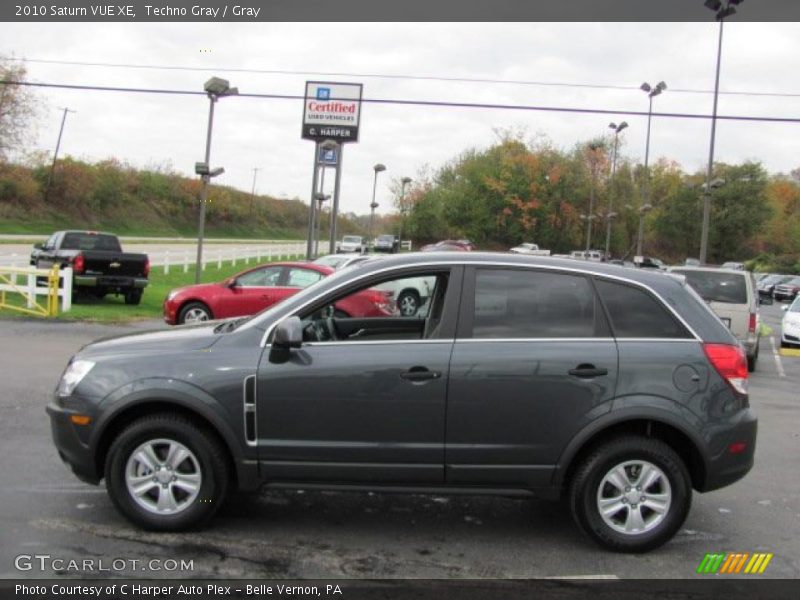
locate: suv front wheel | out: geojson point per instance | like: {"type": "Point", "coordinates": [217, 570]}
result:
{"type": "Point", "coordinates": [631, 494]}
{"type": "Point", "coordinates": [165, 473]}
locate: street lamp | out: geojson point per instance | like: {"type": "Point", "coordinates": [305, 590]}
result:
{"type": "Point", "coordinates": [651, 92]}
{"type": "Point", "coordinates": [253, 191]}
{"type": "Point", "coordinates": [643, 209]}
{"type": "Point", "coordinates": [377, 168]}
{"type": "Point", "coordinates": [215, 88]}
{"type": "Point", "coordinates": [403, 183]}
{"type": "Point", "coordinates": [720, 13]}
{"type": "Point", "coordinates": [592, 180]}
{"type": "Point", "coordinates": [610, 214]}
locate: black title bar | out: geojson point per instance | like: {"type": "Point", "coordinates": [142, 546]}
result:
{"type": "Point", "coordinates": [386, 10]}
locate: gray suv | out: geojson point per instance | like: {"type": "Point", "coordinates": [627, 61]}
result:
{"type": "Point", "coordinates": [614, 389]}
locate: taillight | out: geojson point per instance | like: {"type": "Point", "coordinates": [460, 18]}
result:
{"type": "Point", "coordinates": [146, 267]}
{"type": "Point", "coordinates": [78, 264]}
{"type": "Point", "coordinates": [730, 362]}
{"type": "Point", "coordinates": [382, 300]}
{"type": "Point", "coordinates": [752, 326]}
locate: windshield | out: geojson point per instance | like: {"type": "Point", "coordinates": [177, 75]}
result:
{"type": "Point", "coordinates": [795, 306]}
{"type": "Point", "coordinates": [330, 261]}
{"type": "Point", "coordinates": [386, 238]}
{"type": "Point", "coordinates": [353, 239]}
{"type": "Point", "coordinates": [717, 286]}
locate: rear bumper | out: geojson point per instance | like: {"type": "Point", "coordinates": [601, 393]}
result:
{"type": "Point", "coordinates": [71, 449]}
{"type": "Point", "coordinates": [111, 282]}
{"type": "Point", "coordinates": [727, 468]}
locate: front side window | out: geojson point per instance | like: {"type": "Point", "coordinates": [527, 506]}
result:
{"type": "Point", "coordinates": [531, 304]}
{"type": "Point", "coordinates": [266, 277]}
{"type": "Point", "coordinates": [402, 308]}
{"type": "Point", "coordinates": [635, 313]}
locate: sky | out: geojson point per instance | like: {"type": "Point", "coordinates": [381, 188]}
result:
{"type": "Point", "coordinates": [157, 130]}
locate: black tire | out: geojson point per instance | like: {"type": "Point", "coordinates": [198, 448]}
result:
{"type": "Point", "coordinates": [192, 308]}
{"type": "Point", "coordinates": [133, 297]}
{"type": "Point", "coordinates": [585, 486]}
{"type": "Point", "coordinates": [211, 457]}
{"type": "Point", "coordinates": [408, 303]}
{"type": "Point", "coordinates": [752, 360]}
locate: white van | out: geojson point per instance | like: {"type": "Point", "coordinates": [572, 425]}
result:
{"type": "Point", "coordinates": [731, 294]}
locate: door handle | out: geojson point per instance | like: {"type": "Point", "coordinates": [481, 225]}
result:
{"type": "Point", "coordinates": [420, 374]}
{"type": "Point", "coordinates": [587, 371]}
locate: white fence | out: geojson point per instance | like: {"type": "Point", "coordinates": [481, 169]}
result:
{"type": "Point", "coordinates": [183, 258]}
{"type": "Point", "coordinates": [23, 280]}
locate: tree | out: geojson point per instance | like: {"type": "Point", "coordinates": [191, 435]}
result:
{"type": "Point", "coordinates": [18, 108]}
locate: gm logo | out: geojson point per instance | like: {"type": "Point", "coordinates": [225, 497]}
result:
{"type": "Point", "coordinates": [735, 563]}
{"type": "Point", "coordinates": [323, 93]}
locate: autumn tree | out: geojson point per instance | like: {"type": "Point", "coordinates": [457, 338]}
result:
{"type": "Point", "coordinates": [18, 108]}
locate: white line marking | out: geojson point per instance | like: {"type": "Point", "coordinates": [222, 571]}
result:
{"type": "Point", "coordinates": [777, 356]}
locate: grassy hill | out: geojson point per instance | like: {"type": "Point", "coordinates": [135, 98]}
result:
{"type": "Point", "coordinates": [116, 197]}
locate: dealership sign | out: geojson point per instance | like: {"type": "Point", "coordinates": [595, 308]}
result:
{"type": "Point", "coordinates": [332, 111]}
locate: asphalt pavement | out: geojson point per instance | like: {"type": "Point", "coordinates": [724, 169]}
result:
{"type": "Point", "coordinates": [304, 534]}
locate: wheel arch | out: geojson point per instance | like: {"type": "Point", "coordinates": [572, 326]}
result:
{"type": "Point", "coordinates": [244, 474]}
{"type": "Point", "coordinates": [658, 426]}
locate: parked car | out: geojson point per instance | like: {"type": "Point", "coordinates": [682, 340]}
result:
{"type": "Point", "coordinates": [790, 324]}
{"type": "Point", "coordinates": [787, 290]}
{"type": "Point", "coordinates": [592, 255]}
{"type": "Point", "coordinates": [255, 289]}
{"type": "Point", "coordinates": [766, 286]}
{"type": "Point", "coordinates": [623, 428]}
{"type": "Point", "coordinates": [352, 243]}
{"type": "Point", "coordinates": [340, 261]}
{"type": "Point", "coordinates": [386, 243]}
{"type": "Point", "coordinates": [99, 266]}
{"type": "Point", "coordinates": [410, 294]}
{"type": "Point", "coordinates": [650, 262]}
{"type": "Point", "coordinates": [449, 246]}
{"type": "Point", "coordinates": [531, 249]}
{"type": "Point", "coordinates": [736, 266]}
{"type": "Point", "coordinates": [692, 262]}
{"type": "Point", "coordinates": [731, 295]}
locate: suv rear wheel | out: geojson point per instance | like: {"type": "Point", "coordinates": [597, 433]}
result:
{"type": "Point", "coordinates": [631, 494]}
{"type": "Point", "coordinates": [165, 473]}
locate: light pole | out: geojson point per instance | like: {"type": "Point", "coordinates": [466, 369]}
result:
{"type": "Point", "coordinates": [55, 156]}
{"type": "Point", "coordinates": [377, 168]}
{"type": "Point", "coordinates": [721, 13]}
{"type": "Point", "coordinates": [610, 214]}
{"type": "Point", "coordinates": [321, 198]}
{"type": "Point", "coordinates": [651, 92]}
{"type": "Point", "coordinates": [253, 191]}
{"type": "Point", "coordinates": [215, 88]}
{"type": "Point", "coordinates": [593, 148]}
{"type": "Point", "coordinates": [403, 183]}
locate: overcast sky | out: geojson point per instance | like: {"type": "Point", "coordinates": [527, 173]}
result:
{"type": "Point", "coordinates": [147, 130]}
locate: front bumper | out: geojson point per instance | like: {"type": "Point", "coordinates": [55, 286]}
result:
{"type": "Point", "coordinates": [71, 448]}
{"type": "Point", "coordinates": [790, 334]}
{"type": "Point", "coordinates": [726, 468]}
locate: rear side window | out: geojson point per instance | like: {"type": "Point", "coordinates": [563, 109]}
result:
{"type": "Point", "coordinates": [90, 241]}
{"type": "Point", "coordinates": [729, 288]}
{"type": "Point", "coordinates": [636, 314]}
{"type": "Point", "coordinates": [529, 304]}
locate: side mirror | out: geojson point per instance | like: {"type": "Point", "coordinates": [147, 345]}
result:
{"type": "Point", "coordinates": [230, 282]}
{"type": "Point", "coordinates": [39, 246]}
{"type": "Point", "coordinates": [765, 300]}
{"type": "Point", "coordinates": [785, 307]}
{"type": "Point", "coordinates": [288, 333]}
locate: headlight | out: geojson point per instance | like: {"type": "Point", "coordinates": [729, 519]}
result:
{"type": "Point", "coordinates": [74, 374]}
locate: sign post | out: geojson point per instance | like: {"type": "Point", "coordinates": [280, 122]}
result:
{"type": "Point", "coordinates": [331, 118]}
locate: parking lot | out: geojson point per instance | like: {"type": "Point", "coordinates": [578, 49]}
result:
{"type": "Point", "coordinates": [307, 534]}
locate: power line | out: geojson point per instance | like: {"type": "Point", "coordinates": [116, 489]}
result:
{"type": "Point", "coordinates": [432, 103]}
{"type": "Point", "coordinates": [399, 77]}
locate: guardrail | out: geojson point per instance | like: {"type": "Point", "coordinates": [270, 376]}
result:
{"type": "Point", "coordinates": [58, 285]}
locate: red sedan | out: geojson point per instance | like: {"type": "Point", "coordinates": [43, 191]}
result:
{"type": "Point", "coordinates": [251, 291]}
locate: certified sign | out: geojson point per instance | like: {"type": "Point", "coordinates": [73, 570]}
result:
{"type": "Point", "coordinates": [332, 111]}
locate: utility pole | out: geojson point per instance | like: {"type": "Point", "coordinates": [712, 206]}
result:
{"type": "Point", "coordinates": [253, 192]}
{"type": "Point", "coordinates": [55, 156]}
